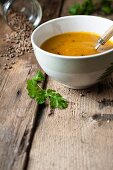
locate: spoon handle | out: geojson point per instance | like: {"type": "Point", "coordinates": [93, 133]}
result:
{"type": "Point", "coordinates": [107, 35]}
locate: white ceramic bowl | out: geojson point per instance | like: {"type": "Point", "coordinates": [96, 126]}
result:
{"type": "Point", "coordinates": [75, 72]}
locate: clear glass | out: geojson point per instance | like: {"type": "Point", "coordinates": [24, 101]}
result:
{"type": "Point", "coordinates": [31, 9]}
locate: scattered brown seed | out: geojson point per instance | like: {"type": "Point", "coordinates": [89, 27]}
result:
{"type": "Point", "coordinates": [18, 42]}
{"type": "Point", "coordinates": [51, 112]}
{"type": "Point", "coordinates": [12, 55]}
{"type": "Point", "coordinates": [13, 62]}
{"type": "Point", "coordinates": [10, 67]}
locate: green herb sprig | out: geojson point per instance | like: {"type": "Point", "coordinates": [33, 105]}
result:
{"type": "Point", "coordinates": [88, 7]}
{"type": "Point", "coordinates": [106, 7]}
{"type": "Point", "coordinates": [41, 95]}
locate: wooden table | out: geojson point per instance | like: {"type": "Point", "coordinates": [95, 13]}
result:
{"type": "Point", "coordinates": [77, 138]}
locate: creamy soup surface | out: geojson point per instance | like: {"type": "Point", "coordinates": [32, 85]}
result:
{"type": "Point", "coordinates": [75, 44]}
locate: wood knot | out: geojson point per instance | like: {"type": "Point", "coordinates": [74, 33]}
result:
{"type": "Point", "coordinates": [19, 92]}
{"type": "Point", "coordinates": [103, 117]}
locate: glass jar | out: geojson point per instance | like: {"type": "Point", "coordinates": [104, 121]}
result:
{"type": "Point", "coordinates": [31, 9]}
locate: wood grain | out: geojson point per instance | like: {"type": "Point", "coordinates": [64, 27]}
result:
{"type": "Point", "coordinates": [76, 138]}
{"type": "Point", "coordinates": [79, 137]}
{"type": "Point", "coordinates": [17, 111]}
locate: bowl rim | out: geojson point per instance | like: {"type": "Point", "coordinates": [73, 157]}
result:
{"type": "Point", "coordinates": [63, 56]}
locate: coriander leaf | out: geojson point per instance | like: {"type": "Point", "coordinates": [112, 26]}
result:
{"type": "Point", "coordinates": [75, 9]}
{"type": "Point", "coordinates": [32, 88]}
{"type": "Point", "coordinates": [107, 10]}
{"type": "Point", "coordinates": [87, 7]}
{"type": "Point", "coordinates": [36, 92]}
{"type": "Point", "coordinates": [106, 7]}
{"type": "Point", "coordinates": [39, 76]}
{"type": "Point", "coordinates": [56, 100]}
{"type": "Point", "coordinates": [41, 95]}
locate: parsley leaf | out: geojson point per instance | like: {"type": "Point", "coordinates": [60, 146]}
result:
{"type": "Point", "coordinates": [75, 9]}
{"type": "Point", "coordinates": [35, 91]}
{"type": "Point", "coordinates": [32, 88]}
{"type": "Point", "coordinates": [107, 10]}
{"type": "Point", "coordinates": [39, 76]}
{"type": "Point", "coordinates": [88, 7]}
{"type": "Point", "coordinates": [106, 7]}
{"type": "Point", "coordinates": [56, 100]}
{"type": "Point", "coordinates": [41, 95]}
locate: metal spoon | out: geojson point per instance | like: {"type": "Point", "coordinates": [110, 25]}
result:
{"type": "Point", "coordinates": [105, 37]}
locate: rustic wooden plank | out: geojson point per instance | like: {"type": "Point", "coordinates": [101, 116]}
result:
{"type": "Point", "coordinates": [79, 137]}
{"type": "Point", "coordinates": [17, 111]}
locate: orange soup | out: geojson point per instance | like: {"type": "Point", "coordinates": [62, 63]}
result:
{"type": "Point", "coordinates": [75, 44]}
